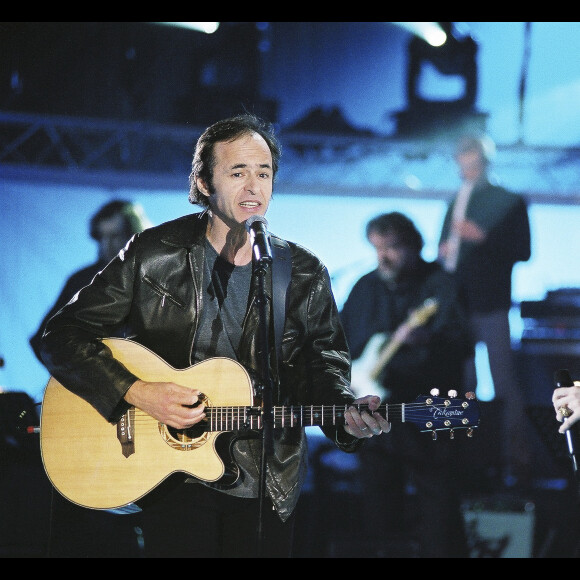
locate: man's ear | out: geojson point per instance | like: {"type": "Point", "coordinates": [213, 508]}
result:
{"type": "Point", "coordinates": [201, 185]}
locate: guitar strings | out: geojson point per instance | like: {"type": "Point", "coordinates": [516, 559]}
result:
{"type": "Point", "coordinates": [224, 418]}
{"type": "Point", "coordinates": [319, 410]}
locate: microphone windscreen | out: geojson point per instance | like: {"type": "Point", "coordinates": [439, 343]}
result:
{"type": "Point", "coordinates": [255, 218]}
{"type": "Point", "coordinates": [562, 378]}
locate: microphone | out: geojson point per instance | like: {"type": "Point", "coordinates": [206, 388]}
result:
{"type": "Point", "coordinates": [562, 378]}
{"type": "Point", "coordinates": [256, 226]}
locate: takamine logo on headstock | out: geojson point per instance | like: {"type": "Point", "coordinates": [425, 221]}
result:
{"type": "Point", "coordinates": [432, 413]}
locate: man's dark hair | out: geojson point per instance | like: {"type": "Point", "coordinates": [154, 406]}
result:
{"type": "Point", "coordinates": [133, 215]}
{"type": "Point", "coordinates": [398, 224]}
{"type": "Point", "coordinates": [227, 130]}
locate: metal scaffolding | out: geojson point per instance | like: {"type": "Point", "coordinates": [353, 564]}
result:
{"type": "Point", "coordinates": [114, 153]}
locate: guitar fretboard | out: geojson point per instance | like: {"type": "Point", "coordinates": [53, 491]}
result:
{"type": "Point", "coordinates": [238, 418]}
{"type": "Point", "coordinates": [427, 413]}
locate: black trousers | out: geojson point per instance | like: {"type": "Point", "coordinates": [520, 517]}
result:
{"type": "Point", "coordinates": [411, 488]}
{"type": "Point", "coordinates": [184, 520]}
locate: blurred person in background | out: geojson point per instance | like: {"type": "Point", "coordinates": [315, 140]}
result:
{"type": "Point", "coordinates": [409, 482]}
{"type": "Point", "coordinates": [485, 232]}
{"type": "Point", "coordinates": [77, 532]}
{"type": "Point", "coordinates": [111, 227]}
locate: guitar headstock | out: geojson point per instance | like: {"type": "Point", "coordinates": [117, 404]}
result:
{"type": "Point", "coordinates": [431, 413]}
{"type": "Point", "coordinates": [422, 314]}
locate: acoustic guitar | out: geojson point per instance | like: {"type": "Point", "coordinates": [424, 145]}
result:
{"type": "Point", "coordinates": [98, 465]}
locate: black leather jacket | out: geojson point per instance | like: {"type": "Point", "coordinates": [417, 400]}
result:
{"type": "Point", "coordinates": [151, 293]}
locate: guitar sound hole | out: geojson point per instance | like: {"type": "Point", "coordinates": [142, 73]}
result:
{"type": "Point", "coordinates": [186, 435]}
{"type": "Point", "coordinates": [184, 439]}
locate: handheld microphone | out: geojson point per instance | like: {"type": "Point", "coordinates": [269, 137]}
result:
{"type": "Point", "coordinates": [256, 226]}
{"type": "Point", "coordinates": [562, 378]}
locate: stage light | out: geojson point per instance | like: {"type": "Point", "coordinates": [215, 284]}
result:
{"type": "Point", "coordinates": [207, 27]}
{"type": "Point", "coordinates": [430, 32]}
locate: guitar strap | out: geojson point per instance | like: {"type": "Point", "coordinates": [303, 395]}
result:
{"type": "Point", "coordinates": [281, 273]}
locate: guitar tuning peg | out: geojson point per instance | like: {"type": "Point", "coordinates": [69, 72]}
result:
{"type": "Point", "coordinates": [434, 392]}
{"type": "Point", "coordinates": [451, 434]}
{"type": "Point", "coordinates": [452, 393]}
{"type": "Point", "coordinates": [470, 395]}
{"type": "Point", "coordinates": [470, 432]}
{"type": "Point", "coordinates": [434, 435]}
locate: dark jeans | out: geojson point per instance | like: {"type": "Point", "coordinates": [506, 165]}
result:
{"type": "Point", "coordinates": [192, 520]}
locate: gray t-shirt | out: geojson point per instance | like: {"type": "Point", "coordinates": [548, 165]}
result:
{"type": "Point", "coordinates": [225, 300]}
{"type": "Point", "coordinates": [226, 290]}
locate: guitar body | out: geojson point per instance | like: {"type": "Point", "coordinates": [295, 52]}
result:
{"type": "Point", "coordinates": [361, 372]}
{"type": "Point", "coordinates": [380, 349]}
{"type": "Point", "coordinates": [83, 456]}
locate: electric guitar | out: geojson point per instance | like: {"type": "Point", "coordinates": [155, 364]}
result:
{"type": "Point", "coordinates": [98, 465]}
{"type": "Point", "coordinates": [380, 349]}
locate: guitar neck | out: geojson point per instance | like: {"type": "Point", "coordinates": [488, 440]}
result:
{"type": "Point", "coordinates": [427, 413]}
{"type": "Point", "coordinates": [385, 356]}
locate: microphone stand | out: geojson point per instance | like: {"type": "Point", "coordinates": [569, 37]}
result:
{"type": "Point", "coordinates": [267, 389]}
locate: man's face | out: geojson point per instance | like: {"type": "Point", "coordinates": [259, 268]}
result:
{"type": "Point", "coordinates": [393, 257]}
{"type": "Point", "coordinates": [471, 165]}
{"type": "Point", "coordinates": [112, 235]}
{"type": "Point", "coordinates": [242, 179]}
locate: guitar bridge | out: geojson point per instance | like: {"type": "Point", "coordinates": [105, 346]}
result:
{"type": "Point", "coordinates": [125, 432]}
